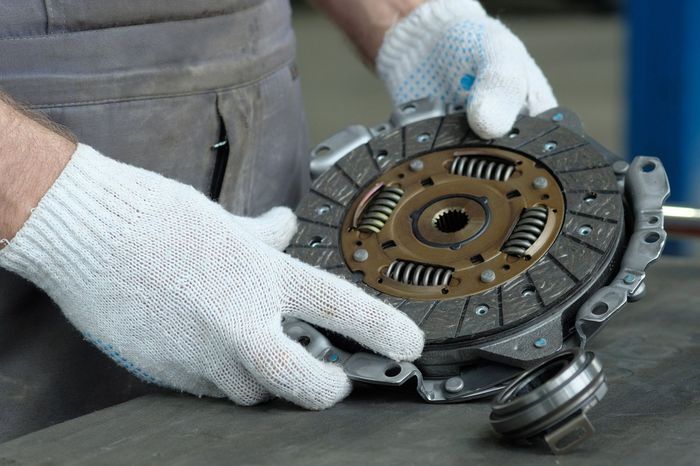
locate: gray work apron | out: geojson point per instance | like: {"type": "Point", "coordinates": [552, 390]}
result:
{"type": "Point", "coordinates": [155, 83]}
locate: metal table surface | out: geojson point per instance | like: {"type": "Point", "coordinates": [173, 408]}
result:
{"type": "Point", "coordinates": [651, 353]}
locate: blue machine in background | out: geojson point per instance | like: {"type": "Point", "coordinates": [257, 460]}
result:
{"type": "Point", "coordinates": [664, 90]}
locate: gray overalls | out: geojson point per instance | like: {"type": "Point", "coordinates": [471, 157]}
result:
{"type": "Point", "coordinates": [158, 84]}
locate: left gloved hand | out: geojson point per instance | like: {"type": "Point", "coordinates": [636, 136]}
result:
{"type": "Point", "coordinates": [452, 50]}
{"type": "Point", "coordinates": [185, 295]}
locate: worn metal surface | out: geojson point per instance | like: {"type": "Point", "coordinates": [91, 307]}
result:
{"type": "Point", "coordinates": [651, 414]}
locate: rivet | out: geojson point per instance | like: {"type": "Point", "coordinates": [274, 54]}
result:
{"type": "Point", "coordinates": [487, 276]}
{"type": "Point", "coordinates": [620, 167]}
{"type": "Point", "coordinates": [540, 182]}
{"type": "Point", "coordinates": [629, 279]}
{"type": "Point", "coordinates": [550, 146]}
{"type": "Point", "coordinates": [360, 255]}
{"type": "Point", "coordinates": [454, 385]}
{"type": "Point", "coordinates": [540, 343]}
{"type": "Point", "coordinates": [416, 165]}
{"type": "Point", "coordinates": [316, 242]}
{"type": "Point", "coordinates": [558, 117]}
{"type": "Point", "coordinates": [585, 230]}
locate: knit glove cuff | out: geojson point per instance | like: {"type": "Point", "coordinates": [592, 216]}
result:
{"type": "Point", "coordinates": [73, 231]}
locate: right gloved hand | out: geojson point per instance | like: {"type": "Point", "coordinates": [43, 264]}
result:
{"type": "Point", "coordinates": [186, 295]}
{"type": "Point", "coordinates": [453, 51]}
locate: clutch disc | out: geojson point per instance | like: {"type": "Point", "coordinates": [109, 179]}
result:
{"type": "Point", "coordinates": [489, 246]}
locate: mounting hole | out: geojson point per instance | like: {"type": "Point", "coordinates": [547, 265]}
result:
{"type": "Point", "coordinates": [648, 167]}
{"type": "Point", "coordinates": [304, 340]}
{"type": "Point", "coordinates": [424, 137]}
{"type": "Point", "coordinates": [652, 238]}
{"type": "Point", "coordinates": [401, 175]}
{"type": "Point", "coordinates": [584, 230]}
{"type": "Point", "coordinates": [316, 241]}
{"type": "Point", "coordinates": [392, 370]}
{"type": "Point", "coordinates": [322, 150]}
{"type": "Point", "coordinates": [600, 309]}
{"type": "Point", "coordinates": [481, 309]}
{"type": "Point", "coordinates": [358, 243]}
{"type": "Point", "coordinates": [450, 220]}
{"type": "Point", "coordinates": [590, 198]}
{"type": "Point", "coordinates": [445, 291]}
{"type": "Point", "coordinates": [528, 291]}
{"type": "Point", "coordinates": [381, 155]}
{"type": "Point", "coordinates": [506, 267]}
{"type": "Point", "coordinates": [381, 280]}
{"type": "Point", "coordinates": [653, 220]}
{"type": "Point", "coordinates": [545, 197]}
{"type": "Point", "coordinates": [410, 108]}
{"type": "Point", "coordinates": [513, 133]}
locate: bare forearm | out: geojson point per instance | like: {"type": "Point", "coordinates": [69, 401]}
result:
{"type": "Point", "coordinates": [366, 21]}
{"type": "Point", "coordinates": [32, 156]}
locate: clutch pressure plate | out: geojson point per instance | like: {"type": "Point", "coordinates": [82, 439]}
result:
{"type": "Point", "coordinates": [505, 252]}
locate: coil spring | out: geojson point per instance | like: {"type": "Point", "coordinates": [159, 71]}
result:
{"type": "Point", "coordinates": [526, 231]}
{"type": "Point", "coordinates": [412, 273]}
{"type": "Point", "coordinates": [379, 209]}
{"type": "Point", "coordinates": [482, 167]}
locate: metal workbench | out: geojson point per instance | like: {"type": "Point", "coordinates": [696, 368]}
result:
{"type": "Point", "coordinates": [651, 415]}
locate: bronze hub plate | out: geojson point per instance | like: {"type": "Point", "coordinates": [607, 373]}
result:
{"type": "Point", "coordinates": [452, 221]}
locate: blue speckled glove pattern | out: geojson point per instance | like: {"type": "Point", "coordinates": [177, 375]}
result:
{"type": "Point", "coordinates": [451, 50]}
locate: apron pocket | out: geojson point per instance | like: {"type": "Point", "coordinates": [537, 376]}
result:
{"type": "Point", "coordinates": [172, 136]}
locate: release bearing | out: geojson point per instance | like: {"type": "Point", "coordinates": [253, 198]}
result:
{"type": "Point", "coordinates": [505, 252]}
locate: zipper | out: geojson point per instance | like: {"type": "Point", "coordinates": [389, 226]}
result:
{"type": "Point", "coordinates": [221, 152]}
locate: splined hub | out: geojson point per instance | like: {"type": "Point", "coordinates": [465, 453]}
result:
{"type": "Point", "coordinates": [452, 223]}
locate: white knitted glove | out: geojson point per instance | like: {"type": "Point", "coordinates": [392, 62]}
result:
{"type": "Point", "coordinates": [188, 296]}
{"type": "Point", "coordinates": [451, 50]}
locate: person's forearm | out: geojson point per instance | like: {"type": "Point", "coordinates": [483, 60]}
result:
{"type": "Point", "coordinates": [366, 21]}
{"type": "Point", "coordinates": [32, 156]}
